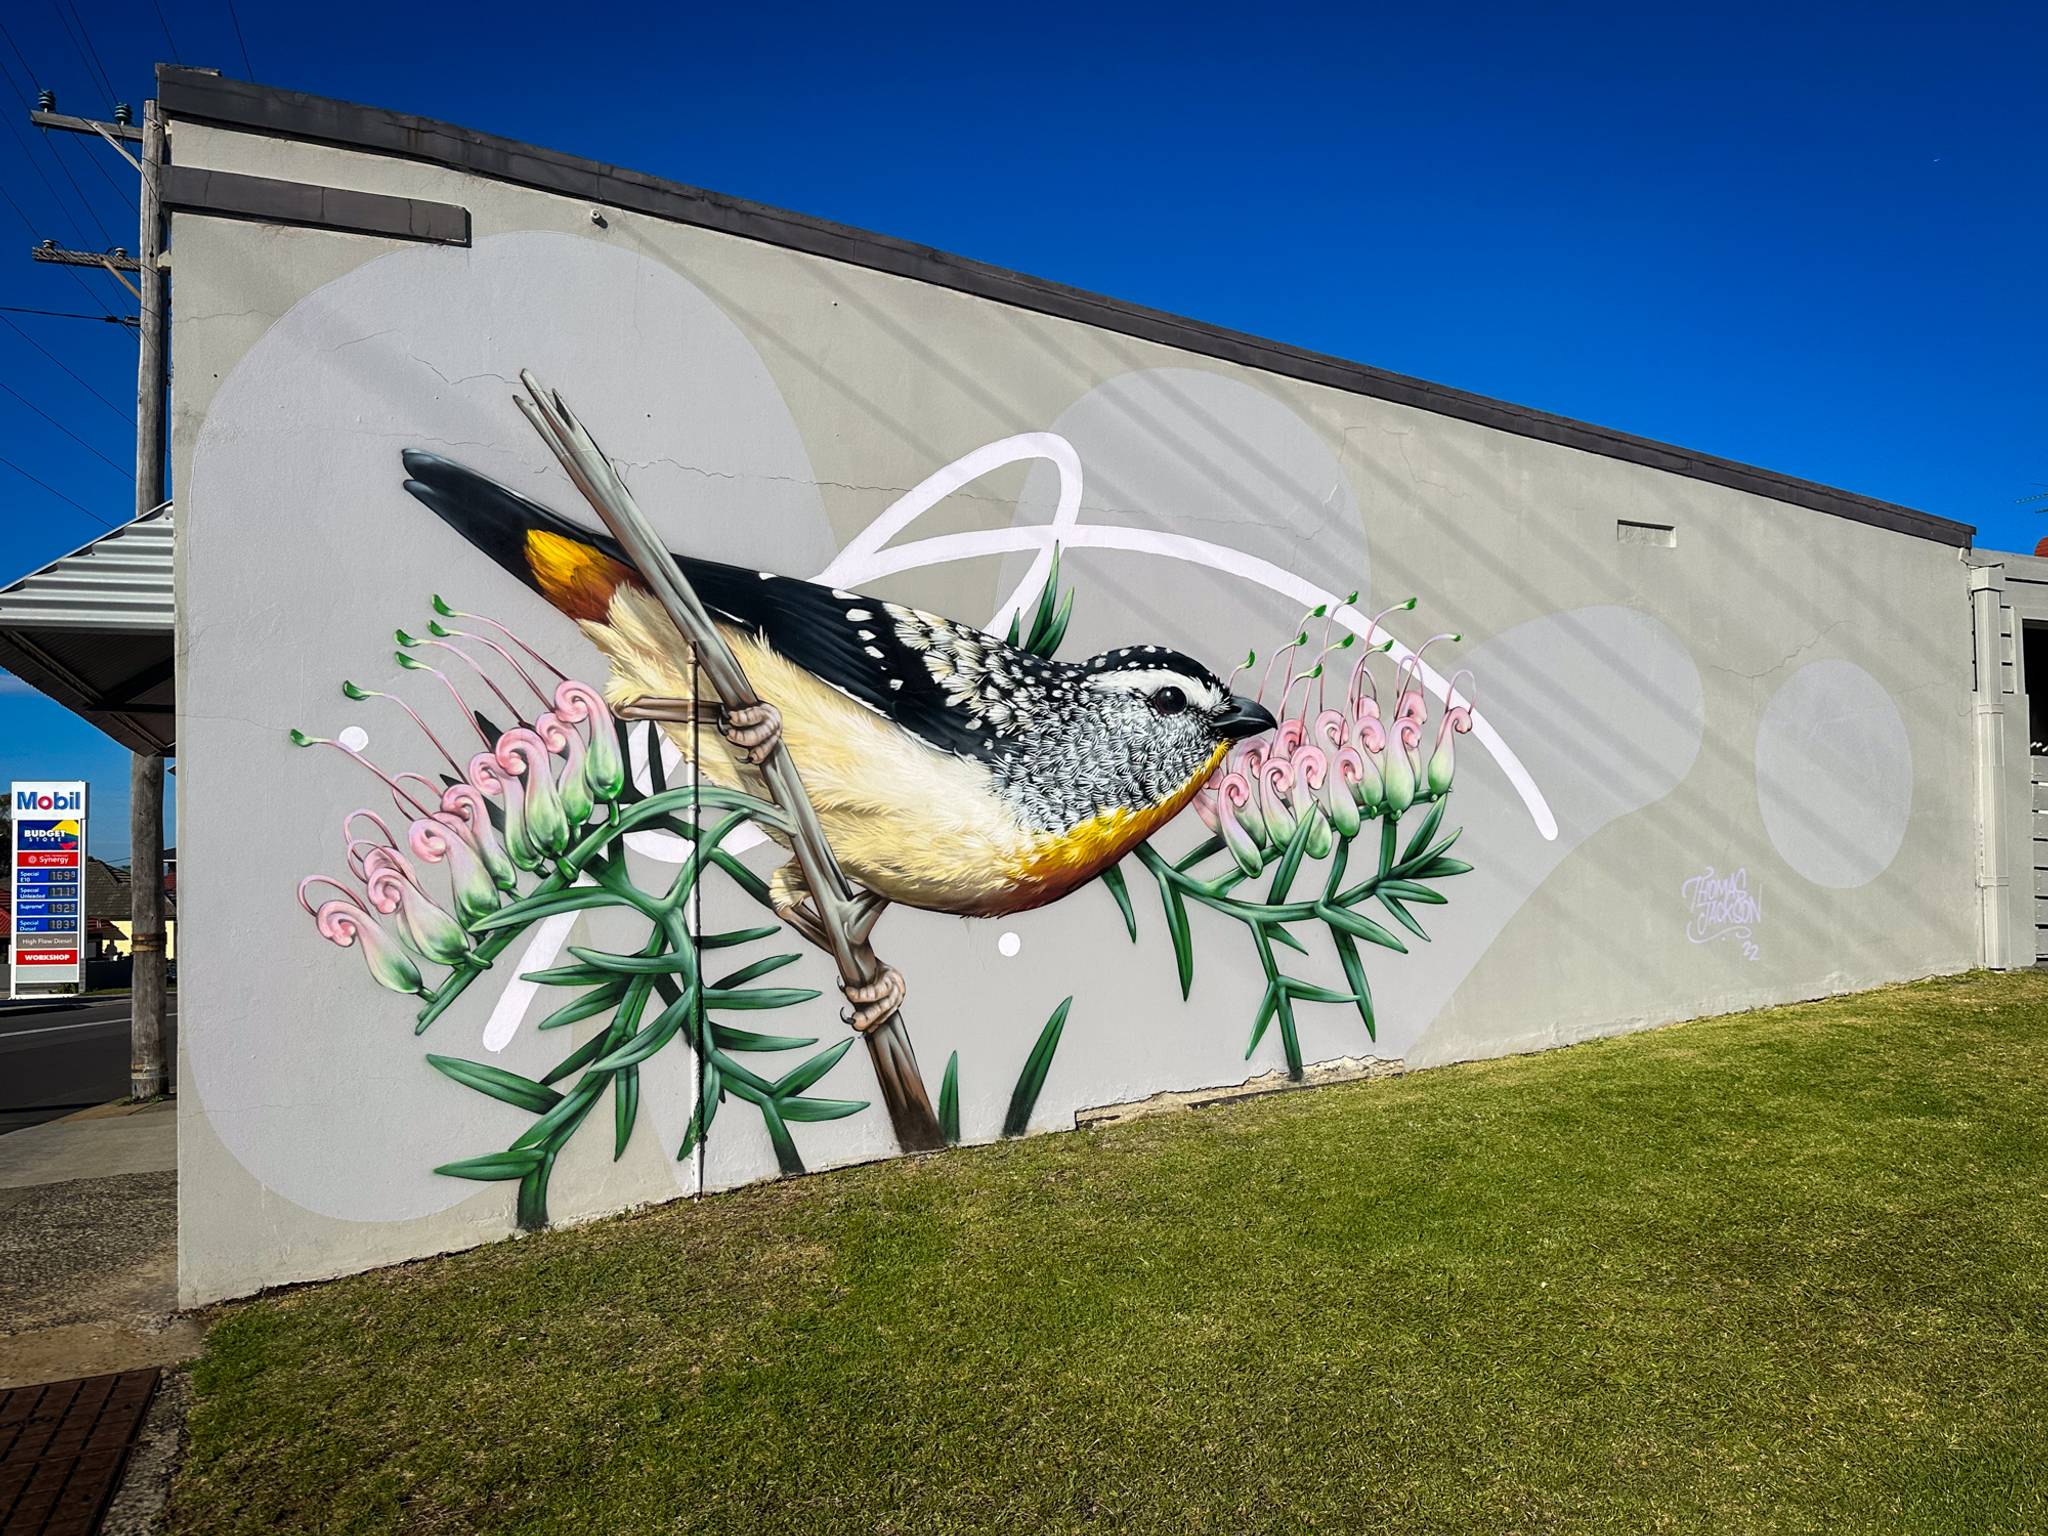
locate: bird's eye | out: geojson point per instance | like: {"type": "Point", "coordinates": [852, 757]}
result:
{"type": "Point", "coordinates": [1168, 701]}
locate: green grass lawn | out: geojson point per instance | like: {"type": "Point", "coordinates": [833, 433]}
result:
{"type": "Point", "coordinates": [1784, 1271]}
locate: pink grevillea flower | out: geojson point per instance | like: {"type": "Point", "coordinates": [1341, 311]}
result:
{"type": "Point", "coordinates": [511, 807]}
{"type": "Point", "coordinates": [1325, 769]}
{"type": "Point", "coordinates": [604, 768]}
{"type": "Point", "coordinates": [523, 753]}
{"type": "Point", "coordinates": [444, 839]}
{"type": "Point", "coordinates": [1457, 721]}
{"type": "Point", "coordinates": [394, 889]}
{"type": "Point", "coordinates": [346, 922]}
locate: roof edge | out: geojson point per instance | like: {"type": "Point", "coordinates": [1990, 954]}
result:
{"type": "Point", "coordinates": [199, 96]}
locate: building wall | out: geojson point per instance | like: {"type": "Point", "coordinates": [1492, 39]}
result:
{"type": "Point", "coordinates": [1723, 756]}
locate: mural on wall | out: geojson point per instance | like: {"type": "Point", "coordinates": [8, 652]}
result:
{"type": "Point", "coordinates": [899, 757]}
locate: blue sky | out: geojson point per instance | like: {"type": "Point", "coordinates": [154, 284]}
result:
{"type": "Point", "coordinates": [1806, 237]}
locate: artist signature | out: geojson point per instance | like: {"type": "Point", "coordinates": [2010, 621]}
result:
{"type": "Point", "coordinates": [1722, 907]}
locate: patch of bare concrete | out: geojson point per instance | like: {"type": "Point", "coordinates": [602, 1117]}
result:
{"type": "Point", "coordinates": [1346, 1069]}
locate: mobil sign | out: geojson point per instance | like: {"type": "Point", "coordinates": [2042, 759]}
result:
{"type": "Point", "coordinates": [49, 799]}
{"type": "Point", "coordinates": [47, 880]}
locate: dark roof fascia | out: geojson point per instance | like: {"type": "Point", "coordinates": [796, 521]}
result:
{"type": "Point", "coordinates": [198, 96]}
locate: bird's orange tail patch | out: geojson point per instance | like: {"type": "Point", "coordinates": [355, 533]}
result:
{"type": "Point", "coordinates": [576, 578]}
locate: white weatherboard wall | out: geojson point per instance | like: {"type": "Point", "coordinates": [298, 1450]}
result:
{"type": "Point", "coordinates": [1730, 763]}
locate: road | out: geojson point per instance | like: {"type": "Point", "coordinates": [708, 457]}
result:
{"type": "Point", "coordinates": [64, 1056]}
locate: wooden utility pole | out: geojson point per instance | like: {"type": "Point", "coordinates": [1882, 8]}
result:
{"type": "Point", "coordinates": [148, 1078]}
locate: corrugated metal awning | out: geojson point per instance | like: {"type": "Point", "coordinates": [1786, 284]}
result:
{"type": "Point", "coordinates": [96, 631]}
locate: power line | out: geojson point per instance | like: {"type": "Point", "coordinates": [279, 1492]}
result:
{"type": "Point", "coordinates": [11, 43]}
{"type": "Point", "coordinates": [176, 57]}
{"type": "Point", "coordinates": [99, 164]}
{"type": "Point", "coordinates": [36, 234]}
{"type": "Point", "coordinates": [28, 153]}
{"type": "Point", "coordinates": [53, 421]}
{"type": "Point", "coordinates": [247, 68]}
{"type": "Point", "coordinates": [53, 357]}
{"type": "Point", "coordinates": [64, 314]}
{"type": "Point", "coordinates": [98, 63]}
{"type": "Point", "coordinates": [84, 201]}
{"type": "Point", "coordinates": [88, 511]}
{"type": "Point", "coordinates": [101, 80]}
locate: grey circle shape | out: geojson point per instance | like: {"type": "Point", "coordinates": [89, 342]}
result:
{"type": "Point", "coordinates": [1834, 774]}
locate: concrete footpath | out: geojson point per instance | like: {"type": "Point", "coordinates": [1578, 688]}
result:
{"type": "Point", "coordinates": [88, 1246]}
{"type": "Point", "coordinates": [88, 1273]}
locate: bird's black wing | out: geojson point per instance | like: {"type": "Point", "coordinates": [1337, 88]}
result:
{"type": "Point", "coordinates": [955, 687]}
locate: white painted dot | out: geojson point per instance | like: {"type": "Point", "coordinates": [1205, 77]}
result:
{"type": "Point", "coordinates": [1834, 774]}
{"type": "Point", "coordinates": [354, 737]}
{"type": "Point", "coordinates": [1008, 944]}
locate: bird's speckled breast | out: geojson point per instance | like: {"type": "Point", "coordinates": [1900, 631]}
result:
{"type": "Point", "coordinates": [1054, 864]}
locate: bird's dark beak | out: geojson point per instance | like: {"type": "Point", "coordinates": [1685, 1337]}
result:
{"type": "Point", "coordinates": [1243, 717]}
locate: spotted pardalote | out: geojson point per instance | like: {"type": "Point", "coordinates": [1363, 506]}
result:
{"type": "Point", "coordinates": [950, 770]}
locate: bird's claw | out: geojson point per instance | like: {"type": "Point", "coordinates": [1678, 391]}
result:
{"type": "Point", "coordinates": [756, 731]}
{"type": "Point", "coordinates": [874, 1001]}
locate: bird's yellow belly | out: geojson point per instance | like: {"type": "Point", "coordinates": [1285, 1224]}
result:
{"type": "Point", "coordinates": [918, 826]}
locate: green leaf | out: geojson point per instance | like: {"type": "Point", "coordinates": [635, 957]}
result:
{"type": "Point", "coordinates": [1049, 642]}
{"type": "Point", "coordinates": [820, 1109]}
{"type": "Point", "coordinates": [1354, 973]}
{"type": "Point", "coordinates": [757, 969]}
{"type": "Point", "coordinates": [558, 1124]}
{"type": "Point", "coordinates": [801, 1076]}
{"type": "Point", "coordinates": [1443, 869]}
{"type": "Point", "coordinates": [515, 1164]}
{"type": "Point", "coordinates": [760, 997]}
{"type": "Point", "coordinates": [727, 1038]}
{"type": "Point", "coordinates": [634, 965]}
{"type": "Point", "coordinates": [1290, 862]}
{"type": "Point", "coordinates": [579, 1058]}
{"type": "Point", "coordinates": [1013, 637]}
{"type": "Point", "coordinates": [1041, 619]}
{"type": "Point", "coordinates": [736, 937]}
{"type": "Point", "coordinates": [532, 909]}
{"type": "Point", "coordinates": [506, 1087]}
{"type": "Point", "coordinates": [1290, 1039]}
{"type": "Point", "coordinates": [949, 1101]}
{"type": "Point", "coordinates": [1264, 1017]}
{"type": "Point", "coordinates": [1359, 926]}
{"type": "Point", "coordinates": [647, 1041]}
{"type": "Point", "coordinates": [1024, 1098]}
{"type": "Point", "coordinates": [1279, 935]}
{"type": "Point", "coordinates": [1426, 831]}
{"type": "Point", "coordinates": [625, 1105]}
{"type": "Point", "coordinates": [1309, 992]}
{"type": "Point", "coordinates": [587, 1006]}
{"type": "Point", "coordinates": [709, 1092]}
{"type": "Point", "coordinates": [532, 1208]}
{"type": "Point", "coordinates": [1113, 877]}
{"type": "Point", "coordinates": [1408, 890]}
{"type": "Point", "coordinates": [1444, 847]}
{"type": "Point", "coordinates": [568, 976]}
{"type": "Point", "coordinates": [1177, 929]}
{"type": "Point", "coordinates": [1402, 915]}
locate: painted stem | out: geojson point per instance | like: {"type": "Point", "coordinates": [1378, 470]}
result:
{"type": "Point", "coordinates": [902, 1086]}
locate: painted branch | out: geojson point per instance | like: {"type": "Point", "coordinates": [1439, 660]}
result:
{"type": "Point", "coordinates": [841, 909]}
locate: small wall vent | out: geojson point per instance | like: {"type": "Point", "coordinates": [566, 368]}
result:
{"type": "Point", "coordinates": [1656, 535]}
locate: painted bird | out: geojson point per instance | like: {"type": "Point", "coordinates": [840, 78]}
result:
{"type": "Point", "coordinates": [950, 770]}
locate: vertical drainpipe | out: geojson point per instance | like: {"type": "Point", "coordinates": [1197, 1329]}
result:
{"type": "Point", "coordinates": [1987, 711]}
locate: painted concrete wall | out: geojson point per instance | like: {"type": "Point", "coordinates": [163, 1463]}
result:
{"type": "Point", "coordinates": [1728, 768]}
